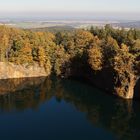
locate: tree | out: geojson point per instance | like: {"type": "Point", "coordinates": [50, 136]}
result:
{"type": "Point", "coordinates": [110, 48]}
{"type": "Point", "coordinates": [124, 72]}
{"type": "Point", "coordinates": [95, 58]}
{"type": "Point", "coordinates": [4, 47]}
{"type": "Point", "coordinates": [41, 56]}
{"type": "Point", "coordinates": [135, 48]}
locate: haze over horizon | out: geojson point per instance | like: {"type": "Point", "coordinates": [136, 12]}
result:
{"type": "Point", "coordinates": [77, 9]}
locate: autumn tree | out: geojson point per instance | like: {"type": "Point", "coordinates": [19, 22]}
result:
{"type": "Point", "coordinates": [41, 56]}
{"type": "Point", "coordinates": [124, 71]}
{"type": "Point", "coordinates": [95, 58]}
{"type": "Point", "coordinates": [110, 48]}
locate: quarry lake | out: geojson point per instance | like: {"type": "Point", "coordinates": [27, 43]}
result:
{"type": "Point", "coordinates": [59, 109]}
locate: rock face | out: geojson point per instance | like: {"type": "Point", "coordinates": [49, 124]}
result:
{"type": "Point", "coordinates": [127, 87]}
{"type": "Point", "coordinates": [126, 90]}
{"type": "Point", "coordinates": [124, 86]}
{"type": "Point", "coordinates": [10, 70]}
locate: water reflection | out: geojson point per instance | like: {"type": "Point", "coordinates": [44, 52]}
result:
{"type": "Point", "coordinates": [119, 116]}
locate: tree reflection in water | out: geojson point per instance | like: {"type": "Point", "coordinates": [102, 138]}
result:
{"type": "Point", "coordinates": [102, 110]}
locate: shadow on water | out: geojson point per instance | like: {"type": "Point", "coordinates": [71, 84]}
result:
{"type": "Point", "coordinates": [121, 117]}
{"type": "Point", "coordinates": [137, 90]}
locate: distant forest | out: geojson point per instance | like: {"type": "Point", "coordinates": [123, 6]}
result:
{"type": "Point", "coordinates": [76, 52]}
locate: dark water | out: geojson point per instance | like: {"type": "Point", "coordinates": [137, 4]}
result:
{"type": "Point", "coordinates": [54, 109]}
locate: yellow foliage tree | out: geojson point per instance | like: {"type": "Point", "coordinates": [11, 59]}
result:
{"type": "Point", "coordinates": [95, 58]}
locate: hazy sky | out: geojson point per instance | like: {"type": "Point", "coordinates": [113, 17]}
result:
{"type": "Point", "coordinates": [32, 7]}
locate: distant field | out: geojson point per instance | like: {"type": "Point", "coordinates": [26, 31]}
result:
{"type": "Point", "coordinates": [70, 25]}
{"type": "Point", "coordinates": [55, 29]}
{"type": "Point", "coordinates": [61, 23]}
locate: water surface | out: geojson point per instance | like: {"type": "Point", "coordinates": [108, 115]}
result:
{"type": "Point", "coordinates": [55, 109]}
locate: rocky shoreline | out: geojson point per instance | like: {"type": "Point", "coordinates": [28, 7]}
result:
{"type": "Point", "coordinates": [9, 70]}
{"type": "Point", "coordinates": [103, 80]}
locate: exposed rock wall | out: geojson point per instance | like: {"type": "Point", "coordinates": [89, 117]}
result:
{"type": "Point", "coordinates": [10, 70]}
{"type": "Point", "coordinates": [104, 80]}
{"type": "Point", "coordinates": [127, 87]}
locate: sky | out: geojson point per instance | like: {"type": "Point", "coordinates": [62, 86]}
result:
{"type": "Point", "coordinates": [119, 8]}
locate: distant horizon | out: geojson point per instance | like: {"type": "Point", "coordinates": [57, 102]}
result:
{"type": "Point", "coordinates": [70, 15]}
{"type": "Point", "coordinates": [77, 9]}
